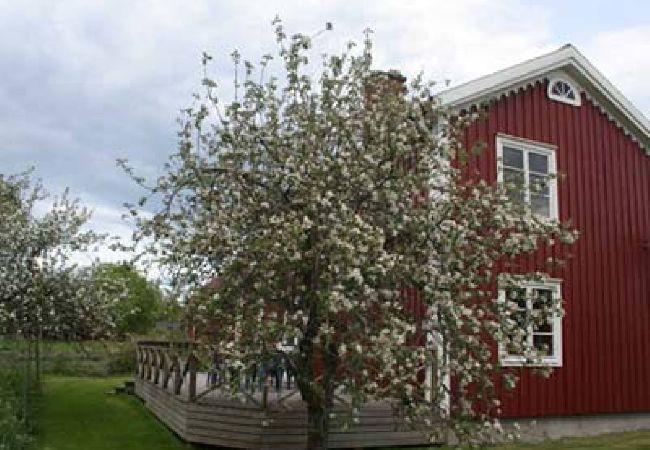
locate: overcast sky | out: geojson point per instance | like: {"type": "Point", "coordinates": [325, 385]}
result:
{"type": "Point", "coordinates": [85, 82]}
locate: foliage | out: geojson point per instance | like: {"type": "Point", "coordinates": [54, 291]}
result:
{"type": "Point", "coordinates": [42, 294]}
{"type": "Point", "coordinates": [85, 358]}
{"type": "Point", "coordinates": [321, 204]}
{"type": "Point", "coordinates": [15, 426]}
{"type": "Point", "coordinates": [122, 362]}
{"type": "Point", "coordinates": [140, 301]}
{"type": "Point", "coordinates": [88, 358]}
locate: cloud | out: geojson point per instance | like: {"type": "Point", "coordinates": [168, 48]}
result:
{"type": "Point", "coordinates": [83, 83]}
{"type": "Point", "coordinates": [623, 56]}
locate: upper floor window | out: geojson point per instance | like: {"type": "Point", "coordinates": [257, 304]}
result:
{"type": "Point", "coordinates": [528, 170]}
{"type": "Point", "coordinates": [537, 329]}
{"type": "Point", "coordinates": [563, 91]}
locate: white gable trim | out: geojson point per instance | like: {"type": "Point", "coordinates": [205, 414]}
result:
{"type": "Point", "coordinates": [571, 63]}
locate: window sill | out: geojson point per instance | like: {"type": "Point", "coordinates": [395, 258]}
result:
{"type": "Point", "coordinates": [522, 362]}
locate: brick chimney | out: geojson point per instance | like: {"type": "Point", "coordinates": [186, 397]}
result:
{"type": "Point", "coordinates": [384, 82]}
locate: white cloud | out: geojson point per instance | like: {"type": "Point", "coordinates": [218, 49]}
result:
{"type": "Point", "coordinates": [112, 45]}
{"type": "Point", "coordinates": [623, 56]}
{"type": "Point", "coordinates": [458, 40]}
{"type": "Point", "coordinates": [82, 83]}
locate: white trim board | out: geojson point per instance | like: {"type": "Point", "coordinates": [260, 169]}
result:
{"type": "Point", "coordinates": [567, 60]}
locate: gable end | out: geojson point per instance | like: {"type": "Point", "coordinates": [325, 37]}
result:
{"type": "Point", "coordinates": [566, 63]}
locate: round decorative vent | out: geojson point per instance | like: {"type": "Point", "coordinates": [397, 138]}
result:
{"type": "Point", "coordinates": [563, 91]}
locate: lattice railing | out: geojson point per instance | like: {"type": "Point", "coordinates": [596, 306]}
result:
{"type": "Point", "coordinates": [177, 367]}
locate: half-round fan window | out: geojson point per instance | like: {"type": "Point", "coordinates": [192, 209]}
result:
{"type": "Point", "coordinates": [563, 91]}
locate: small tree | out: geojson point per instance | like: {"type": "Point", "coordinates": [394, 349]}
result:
{"type": "Point", "coordinates": [43, 294]}
{"type": "Point", "coordinates": [323, 205]}
{"type": "Point", "coordinates": [140, 302]}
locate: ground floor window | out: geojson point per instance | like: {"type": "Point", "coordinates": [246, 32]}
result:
{"type": "Point", "coordinates": [539, 328]}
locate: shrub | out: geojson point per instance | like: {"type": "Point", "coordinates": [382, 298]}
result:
{"type": "Point", "coordinates": [121, 362]}
{"type": "Point", "coordinates": [89, 358]}
{"type": "Point", "coordinates": [15, 423]}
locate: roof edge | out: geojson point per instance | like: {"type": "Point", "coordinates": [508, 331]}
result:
{"type": "Point", "coordinates": [566, 57]}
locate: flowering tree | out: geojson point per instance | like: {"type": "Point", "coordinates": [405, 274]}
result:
{"type": "Point", "coordinates": [42, 294]}
{"type": "Point", "coordinates": [329, 211]}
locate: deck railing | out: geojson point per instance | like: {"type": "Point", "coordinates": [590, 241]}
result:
{"type": "Point", "coordinates": [178, 368]}
{"type": "Point", "coordinates": [208, 403]}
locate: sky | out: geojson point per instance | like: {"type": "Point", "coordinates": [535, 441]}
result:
{"type": "Point", "coordinates": [83, 83]}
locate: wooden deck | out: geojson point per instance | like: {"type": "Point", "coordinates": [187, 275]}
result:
{"type": "Point", "coordinates": [266, 420]}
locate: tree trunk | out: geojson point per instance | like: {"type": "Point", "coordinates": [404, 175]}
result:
{"type": "Point", "coordinates": [317, 427]}
{"type": "Point", "coordinates": [318, 412]}
{"type": "Point", "coordinates": [316, 397]}
{"type": "Point", "coordinates": [39, 340]}
{"type": "Point", "coordinates": [318, 418]}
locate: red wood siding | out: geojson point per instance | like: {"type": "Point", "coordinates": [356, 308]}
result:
{"type": "Point", "coordinates": [606, 287]}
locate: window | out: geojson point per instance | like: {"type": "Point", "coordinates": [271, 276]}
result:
{"type": "Point", "coordinates": [528, 170]}
{"type": "Point", "coordinates": [563, 91]}
{"type": "Point", "coordinates": [542, 330]}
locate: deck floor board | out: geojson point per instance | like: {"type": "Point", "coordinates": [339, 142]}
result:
{"type": "Point", "coordinates": [215, 419]}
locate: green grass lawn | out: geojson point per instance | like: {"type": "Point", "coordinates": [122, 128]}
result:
{"type": "Point", "coordinates": [639, 440]}
{"type": "Point", "coordinates": [614, 441]}
{"type": "Point", "coordinates": [78, 414]}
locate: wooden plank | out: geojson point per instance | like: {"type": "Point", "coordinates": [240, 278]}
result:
{"type": "Point", "coordinates": [230, 442]}
{"type": "Point", "coordinates": [226, 418]}
{"type": "Point", "coordinates": [164, 406]}
{"type": "Point", "coordinates": [234, 424]}
{"type": "Point", "coordinates": [225, 410]}
{"type": "Point", "coordinates": [164, 414]}
{"type": "Point", "coordinates": [218, 425]}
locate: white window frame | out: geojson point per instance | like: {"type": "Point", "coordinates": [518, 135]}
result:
{"type": "Point", "coordinates": [553, 360]}
{"type": "Point", "coordinates": [438, 371]}
{"type": "Point", "coordinates": [529, 146]}
{"type": "Point", "coordinates": [576, 101]}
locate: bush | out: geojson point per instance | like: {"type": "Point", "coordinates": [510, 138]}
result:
{"type": "Point", "coordinates": [15, 423]}
{"type": "Point", "coordinates": [121, 362]}
{"type": "Point", "coordinates": [88, 358]}
{"type": "Point", "coordinates": [14, 428]}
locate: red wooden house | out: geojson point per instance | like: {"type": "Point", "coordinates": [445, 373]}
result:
{"type": "Point", "coordinates": [558, 114]}
{"type": "Point", "coordinates": [555, 114]}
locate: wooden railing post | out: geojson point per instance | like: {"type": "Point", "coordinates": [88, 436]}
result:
{"type": "Point", "coordinates": [152, 356]}
{"type": "Point", "coordinates": [152, 365]}
{"type": "Point", "coordinates": [166, 372]}
{"type": "Point", "coordinates": [137, 360]}
{"type": "Point", "coordinates": [265, 394]}
{"type": "Point", "coordinates": [192, 365]}
{"type": "Point", "coordinates": [156, 369]}
{"type": "Point", "coordinates": [142, 362]}
{"type": "Point", "coordinates": [146, 363]}
{"type": "Point", "coordinates": [178, 378]}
